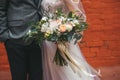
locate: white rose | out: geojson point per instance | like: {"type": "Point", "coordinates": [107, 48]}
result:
{"type": "Point", "coordinates": [44, 18]}
{"type": "Point", "coordinates": [62, 18]}
{"type": "Point", "coordinates": [44, 27]}
{"type": "Point", "coordinates": [69, 27]}
{"type": "Point", "coordinates": [49, 30]}
{"type": "Point", "coordinates": [75, 22]}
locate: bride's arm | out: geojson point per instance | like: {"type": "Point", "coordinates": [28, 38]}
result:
{"type": "Point", "coordinates": [76, 7]}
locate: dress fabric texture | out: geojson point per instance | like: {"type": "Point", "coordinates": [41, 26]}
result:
{"type": "Point", "coordinates": [51, 71]}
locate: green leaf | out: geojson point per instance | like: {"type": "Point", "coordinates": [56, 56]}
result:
{"type": "Point", "coordinates": [70, 15]}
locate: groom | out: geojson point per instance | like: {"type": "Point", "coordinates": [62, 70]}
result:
{"type": "Point", "coordinates": [24, 57]}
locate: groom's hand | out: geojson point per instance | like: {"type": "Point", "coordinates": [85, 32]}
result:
{"type": "Point", "coordinates": [4, 36]}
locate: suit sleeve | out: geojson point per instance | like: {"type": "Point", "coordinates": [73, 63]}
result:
{"type": "Point", "coordinates": [3, 20]}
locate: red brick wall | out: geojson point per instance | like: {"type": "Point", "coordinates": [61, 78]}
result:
{"type": "Point", "coordinates": [101, 41]}
{"type": "Point", "coordinates": [3, 58]}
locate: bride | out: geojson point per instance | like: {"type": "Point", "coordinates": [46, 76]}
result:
{"type": "Point", "coordinates": [51, 71]}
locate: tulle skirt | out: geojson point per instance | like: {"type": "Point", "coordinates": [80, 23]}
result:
{"type": "Point", "coordinates": [51, 71]}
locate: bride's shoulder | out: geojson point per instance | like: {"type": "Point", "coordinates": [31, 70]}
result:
{"type": "Point", "coordinates": [75, 1]}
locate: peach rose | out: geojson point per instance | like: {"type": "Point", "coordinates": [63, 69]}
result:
{"type": "Point", "coordinates": [62, 28]}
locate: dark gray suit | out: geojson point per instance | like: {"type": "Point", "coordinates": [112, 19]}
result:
{"type": "Point", "coordinates": [15, 15]}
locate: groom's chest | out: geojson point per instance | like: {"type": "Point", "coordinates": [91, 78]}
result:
{"type": "Point", "coordinates": [31, 2]}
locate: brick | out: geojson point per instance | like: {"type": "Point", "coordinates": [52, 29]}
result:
{"type": "Point", "coordinates": [111, 35]}
{"type": "Point", "coordinates": [1, 45]}
{"type": "Point", "coordinates": [96, 27]}
{"type": "Point", "coordinates": [93, 36]}
{"type": "Point", "coordinates": [116, 53]}
{"type": "Point", "coordinates": [4, 67]}
{"type": "Point", "coordinates": [95, 43]}
{"type": "Point", "coordinates": [95, 50]}
{"type": "Point", "coordinates": [3, 60]}
{"type": "Point", "coordinates": [109, 27]}
{"type": "Point", "coordinates": [2, 52]}
{"type": "Point", "coordinates": [104, 61]}
{"type": "Point", "coordinates": [82, 44]}
{"type": "Point", "coordinates": [86, 52]}
{"type": "Point", "coordinates": [114, 45]}
{"type": "Point", "coordinates": [104, 52]}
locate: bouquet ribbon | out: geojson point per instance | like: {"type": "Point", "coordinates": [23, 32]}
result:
{"type": "Point", "coordinates": [64, 52]}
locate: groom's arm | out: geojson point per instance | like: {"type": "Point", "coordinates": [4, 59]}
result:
{"type": "Point", "coordinates": [3, 20]}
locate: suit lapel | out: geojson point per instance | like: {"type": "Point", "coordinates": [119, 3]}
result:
{"type": "Point", "coordinates": [37, 2]}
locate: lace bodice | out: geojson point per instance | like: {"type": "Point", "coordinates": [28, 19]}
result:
{"type": "Point", "coordinates": [52, 5]}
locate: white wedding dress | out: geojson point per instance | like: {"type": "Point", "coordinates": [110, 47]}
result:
{"type": "Point", "coordinates": [51, 71]}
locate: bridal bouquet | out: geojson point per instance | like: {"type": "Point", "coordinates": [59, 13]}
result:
{"type": "Point", "coordinates": [59, 28]}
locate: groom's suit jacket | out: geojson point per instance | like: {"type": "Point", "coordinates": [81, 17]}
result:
{"type": "Point", "coordinates": [15, 15]}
